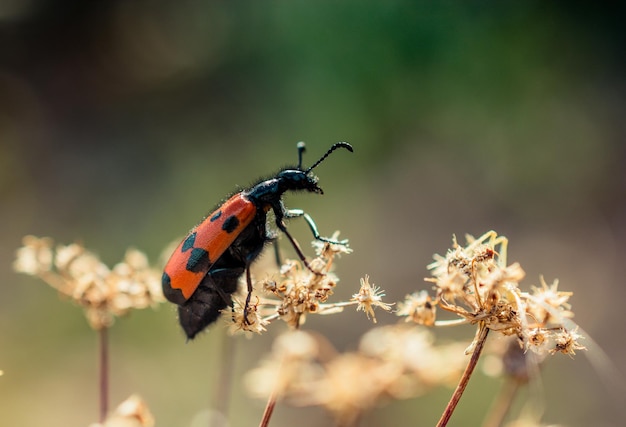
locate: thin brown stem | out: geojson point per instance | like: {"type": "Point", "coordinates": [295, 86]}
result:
{"type": "Point", "coordinates": [269, 410]}
{"type": "Point", "coordinates": [104, 372]}
{"type": "Point", "coordinates": [460, 388]}
{"type": "Point", "coordinates": [271, 402]}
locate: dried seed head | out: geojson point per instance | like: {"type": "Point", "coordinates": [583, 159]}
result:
{"type": "Point", "coordinates": [35, 256]}
{"type": "Point", "coordinates": [547, 301]}
{"type": "Point", "coordinates": [250, 321]}
{"type": "Point", "coordinates": [80, 275]}
{"type": "Point", "coordinates": [370, 296]}
{"type": "Point", "coordinates": [566, 342]}
{"type": "Point", "coordinates": [419, 308]}
{"type": "Point", "coordinates": [475, 283]}
{"type": "Point", "coordinates": [295, 290]}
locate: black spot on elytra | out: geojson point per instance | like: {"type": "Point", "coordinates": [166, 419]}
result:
{"type": "Point", "coordinates": [189, 242]}
{"type": "Point", "coordinates": [216, 215]}
{"type": "Point", "coordinates": [166, 281]}
{"type": "Point", "coordinates": [174, 295]}
{"type": "Point", "coordinates": [230, 224]}
{"type": "Point", "coordinates": [198, 260]}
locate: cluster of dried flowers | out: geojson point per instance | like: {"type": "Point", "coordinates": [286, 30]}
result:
{"type": "Point", "coordinates": [391, 363]}
{"type": "Point", "coordinates": [394, 362]}
{"type": "Point", "coordinates": [298, 292]}
{"type": "Point", "coordinates": [79, 274]}
{"type": "Point", "coordinates": [475, 283]}
{"type": "Point", "coordinates": [472, 282]}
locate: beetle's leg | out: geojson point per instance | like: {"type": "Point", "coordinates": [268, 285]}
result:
{"type": "Point", "coordinates": [249, 259]}
{"type": "Point", "coordinates": [281, 225]}
{"type": "Point", "coordinates": [280, 212]}
{"type": "Point", "coordinates": [279, 260]}
{"type": "Point", "coordinates": [294, 213]}
{"type": "Point", "coordinates": [245, 307]}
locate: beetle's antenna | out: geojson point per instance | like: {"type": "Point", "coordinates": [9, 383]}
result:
{"type": "Point", "coordinates": [330, 150]}
{"type": "Point", "coordinates": [301, 149]}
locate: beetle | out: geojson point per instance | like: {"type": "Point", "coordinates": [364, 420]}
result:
{"type": "Point", "coordinates": [205, 268]}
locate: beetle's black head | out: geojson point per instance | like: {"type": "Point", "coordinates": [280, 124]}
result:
{"type": "Point", "coordinates": [299, 179]}
{"type": "Point", "coordinates": [295, 179]}
{"type": "Point", "coordinates": [268, 192]}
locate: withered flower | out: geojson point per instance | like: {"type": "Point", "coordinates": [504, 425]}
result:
{"type": "Point", "coordinates": [79, 274]}
{"type": "Point", "coordinates": [475, 283]}
{"type": "Point", "coordinates": [295, 291]}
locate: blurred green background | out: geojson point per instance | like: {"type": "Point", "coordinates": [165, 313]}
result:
{"type": "Point", "coordinates": [123, 122]}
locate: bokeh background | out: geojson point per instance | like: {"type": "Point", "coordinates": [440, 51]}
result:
{"type": "Point", "coordinates": [123, 122]}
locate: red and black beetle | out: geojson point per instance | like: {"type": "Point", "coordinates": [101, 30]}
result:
{"type": "Point", "coordinates": [204, 270]}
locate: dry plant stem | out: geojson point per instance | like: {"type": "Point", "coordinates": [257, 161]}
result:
{"type": "Point", "coordinates": [502, 404]}
{"type": "Point", "coordinates": [103, 361]}
{"type": "Point", "coordinates": [460, 388]}
{"type": "Point", "coordinates": [271, 402]}
{"type": "Point", "coordinates": [269, 407]}
{"type": "Point", "coordinates": [269, 410]}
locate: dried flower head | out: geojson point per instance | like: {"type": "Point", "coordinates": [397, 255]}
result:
{"type": "Point", "coordinates": [351, 384]}
{"type": "Point", "coordinates": [475, 283]}
{"type": "Point", "coordinates": [548, 299]}
{"type": "Point", "coordinates": [35, 256]}
{"type": "Point", "coordinates": [133, 412]}
{"type": "Point", "coordinates": [300, 291]}
{"type": "Point", "coordinates": [370, 296]}
{"type": "Point", "coordinates": [296, 291]}
{"type": "Point", "coordinates": [393, 362]}
{"type": "Point", "coordinates": [251, 322]}
{"type": "Point", "coordinates": [79, 274]}
{"type": "Point", "coordinates": [566, 342]}
{"type": "Point", "coordinates": [418, 307]}
{"type": "Point", "coordinates": [290, 366]}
